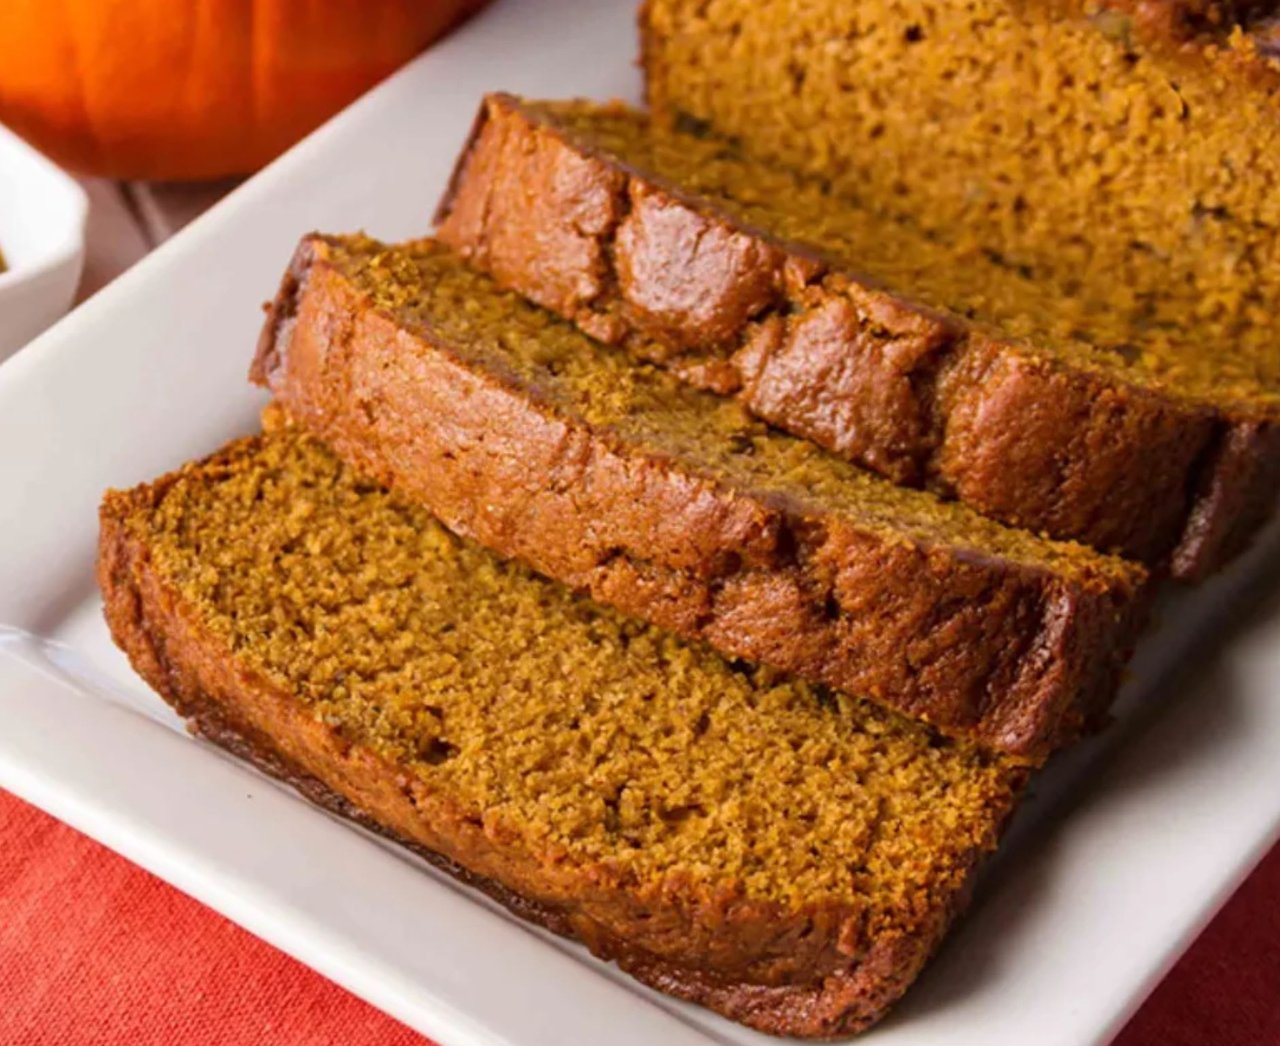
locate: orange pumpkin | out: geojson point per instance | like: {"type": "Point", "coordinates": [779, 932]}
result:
{"type": "Point", "coordinates": [196, 88]}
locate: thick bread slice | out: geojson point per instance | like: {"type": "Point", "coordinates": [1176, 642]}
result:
{"type": "Point", "coordinates": [933, 366]}
{"type": "Point", "coordinates": [676, 506]}
{"type": "Point", "coordinates": [785, 857]}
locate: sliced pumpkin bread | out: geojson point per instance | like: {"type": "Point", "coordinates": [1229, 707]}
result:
{"type": "Point", "coordinates": [787, 856]}
{"type": "Point", "coordinates": [1126, 151]}
{"type": "Point", "coordinates": [673, 504]}
{"type": "Point", "coordinates": [937, 365]}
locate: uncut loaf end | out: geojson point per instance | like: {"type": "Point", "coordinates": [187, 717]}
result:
{"type": "Point", "coordinates": [1122, 151]}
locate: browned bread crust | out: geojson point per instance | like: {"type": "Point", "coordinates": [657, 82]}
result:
{"type": "Point", "coordinates": [1015, 655]}
{"type": "Point", "coordinates": [924, 398]}
{"type": "Point", "coordinates": [784, 973]}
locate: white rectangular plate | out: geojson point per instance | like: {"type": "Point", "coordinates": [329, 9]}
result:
{"type": "Point", "coordinates": [1126, 847]}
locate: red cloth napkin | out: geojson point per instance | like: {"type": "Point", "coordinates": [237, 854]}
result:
{"type": "Point", "coordinates": [93, 950]}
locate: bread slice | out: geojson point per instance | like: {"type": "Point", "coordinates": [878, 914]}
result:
{"type": "Point", "coordinates": [781, 854]}
{"type": "Point", "coordinates": [934, 365]}
{"type": "Point", "coordinates": [674, 505]}
{"type": "Point", "coordinates": [1123, 150]}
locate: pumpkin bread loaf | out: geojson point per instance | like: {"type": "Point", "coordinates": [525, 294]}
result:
{"type": "Point", "coordinates": [937, 365]}
{"type": "Point", "coordinates": [675, 505]}
{"type": "Point", "coordinates": [787, 856]}
{"type": "Point", "coordinates": [1125, 151]}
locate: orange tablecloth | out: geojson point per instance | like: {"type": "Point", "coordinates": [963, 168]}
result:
{"type": "Point", "coordinates": [93, 950]}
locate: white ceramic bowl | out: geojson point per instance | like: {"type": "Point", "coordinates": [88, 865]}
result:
{"type": "Point", "coordinates": [42, 218]}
